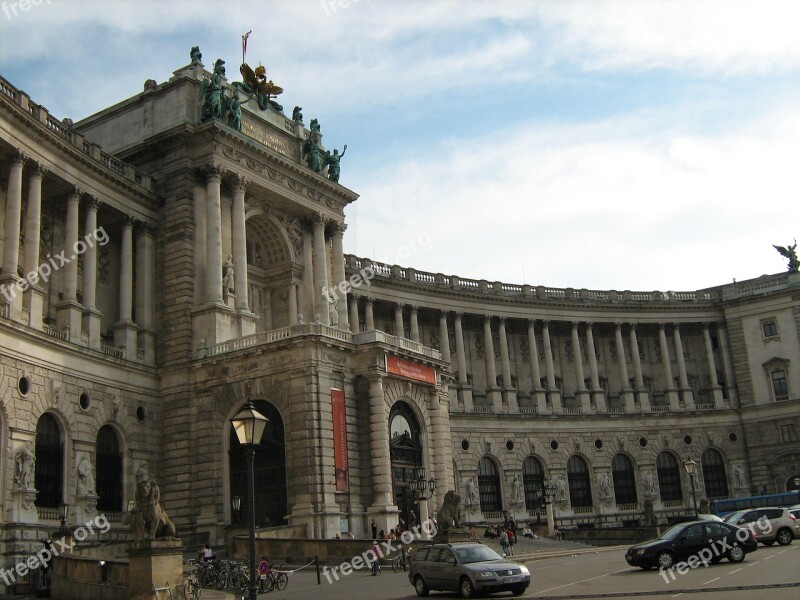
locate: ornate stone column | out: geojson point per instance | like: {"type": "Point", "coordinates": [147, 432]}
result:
{"type": "Point", "coordinates": [125, 330]}
{"type": "Point", "coordinates": [146, 290]}
{"type": "Point", "coordinates": [247, 320]}
{"type": "Point", "coordinates": [12, 295]}
{"type": "Point", "coordinates": [509, 392]}
{"type": "Point", "coordinates": [464, 390]}
{"type": "Point", "coordinates": [200, 240]}
{"type": "Point", "coordinates": [213, 175]}
{"type": "Point", "coordinates": [493, 394]}
{"type": "Point", "coordinates": [537, 391]}
{"type": "Point", "coordinates": [716, 390]}
{"type": "Point", "coordinates": [369, 317]}
{"type": "Point", "coordinates": [399, 326]}
{"type": "Point", "coordinates": [581, 392]}
{"type": "Point", "coordinates": [382, 509]}
{"type": "Point", "coordinates": [625, 390]}
{"type": "Point", "coordinates": [293, 303]}
{"type": "Point", "coordinates": [68, 312]}
{"type": "Point", "coordinates": [320, 271]}
{"type": "Point", "coordinates": [444, 339]}
{"type": "Point", "coordinates": [33, 297]}
{"type": "Point", "coordinates": [669, 390]}
{"type": "Point", "coordinates": [354, 316]}
{"type": "Point", "coordinates": [727, 365]}
{"type": "Point", "coordinates": [339, 273]}
{"type": "Point", "coordinates": [598, 393]}
{"type": "Point", "coordinates": [414, 323]}
{"type": "Point", "coordinates": [91, 316]}
{"type": "Point", "coordinates": [641, 392]}
{"type": "Point", "coordinates": [686, 391]}
{"type": "Point", "coordinates": [552, 392]}
{"type": "Point", "coordinates": [308, 295]}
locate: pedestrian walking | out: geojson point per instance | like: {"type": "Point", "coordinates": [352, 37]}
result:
{"type": "Point", "coordinates": [504, 542]}
{"type": "Point", "coordinates": [376, 551]}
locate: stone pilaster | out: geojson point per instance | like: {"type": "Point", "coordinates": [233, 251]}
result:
{"type": "Point", "coordinates": [33, 297]}
{"type": "Point", "coordinates": [716, 390]}
{"type": "Point", "coordinates": [382, 509]}
{"type": "Point", "coordinates": [464, 391]}
{"type": "Point", "coordinates": [213, 175]}
{"type": "Point", "coordinates": [69, 312]}
{"type": "Point", "coordinates": [369, 316]}
{"type": "Point", "coordinates": [581, 392]}
{"type": "Point", "coordinates": [337, 259]}
{"type": "Point", "coordinates": [509, 392]}
{"type": "Point", "coordinates": [493, 393]}
{"type": "Point", "coordinates": [686, 391]}
{"type": "Point", "coordinates": [625, 390]}
{"type": "Point", "coordinates": [146, 291]}
{"type": "Point", "coordinates": [666, 363]}
{"type": "Point", "coordinates": [354, 316]}
{"type": "Point", "coordinates": [125, 330]}
{"type": "Point", "coordinates": [320, 271]}
{"type": "Point", "coordinates": [641, 392]}
{"type": "Point", "coordinates": [444, 339]}
{"type": "Point", "coordinates": [727, 364]}
{"type": "Point", "coordinates": [537, 391]}
{"type": "Point", "coordinates": [414, 323]}
{"type": "Point", "coordinates": [91, 316]}
{"type": "Point", "coordinates": [200, 205]}
{"type": "Point", "coordinates": [598, 394]}
{"type": "Point", "coordinates": [399, 326]}
{"type": "Point", "coordinates": [12, 293]}
{"type": "Point", "coordinates": [553, 393]}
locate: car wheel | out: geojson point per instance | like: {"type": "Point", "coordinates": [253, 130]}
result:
{"type": "Point", "coordinates": [518, 590]}
{"type": "Point", "coordinates": [420, 587]}
{"type": "Point", "coordinates": [768, 542]}
{"type": "Point", "coordinates": [736, 554]}
{"type": "Point", "coordinates": [466, 588]}
{"type": "Point", "coordinates": [665, 559]}
{"type": "Point", "coordinates": [784, 537]}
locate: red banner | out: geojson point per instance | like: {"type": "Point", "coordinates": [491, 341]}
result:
{"type": "Point", "coordinates": [410, 370]}
{"type": "Point", "coordinates": [339, 440]}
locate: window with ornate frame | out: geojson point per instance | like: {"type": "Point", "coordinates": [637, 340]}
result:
{"type": "Point", "coordinates": [669, 477]}
{"type": "Point", "coordinates": [533, 482]}
{"type": "Point", "coordinates": [489, 485]}
{"type": "Point", "coordinates": [624, 480]}
{"type": "Point", "coordinates": [580, 489]}
{"type": "Point", "coordinates": [716, 481]}
{"type": "Point", "coordinates": [769, 328]}
{"type": "Point", "coordinates": [777, 371]}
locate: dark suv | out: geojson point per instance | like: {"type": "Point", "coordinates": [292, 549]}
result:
{"type": "Point", "coordinates": [469, 568]}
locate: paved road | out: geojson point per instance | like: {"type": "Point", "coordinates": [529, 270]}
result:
{"type": "Point", "coordinates": [770, 573]}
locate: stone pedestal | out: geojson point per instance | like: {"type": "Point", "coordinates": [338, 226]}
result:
{"type": "Point", "coordinates": [69, 316]}
{"type": "Point", "coordinates": [85, 507]}
{"type": "Point", "coordinates": [33, 302]}
{"type": "Point", "coordinates": [449, 536]}
{"type": "Point", "coordinates": [155, 563]}
{"type": "Point", "coordinates": [22, 507]}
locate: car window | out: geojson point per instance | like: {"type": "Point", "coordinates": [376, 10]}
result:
{"type": "Point", "coordinates": [716, 529]}
{"type": "Point", "coordinates": [445, 556]}
{"type": "Point", "coordinates": [774, 513]}
{"type": "Point", "coordinates": [694, 533]}
{"type": "Point", "coordinates": [422, 554]}
{"type": "Point", "coordinates": [750, 516]}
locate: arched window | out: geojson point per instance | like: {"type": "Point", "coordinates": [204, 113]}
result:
{"type": "Point", "coordinates": [489, 486]}
{"type": "Point", "coordinates": [624, 480]}
{"type": "Point", "coordinates": [580, 490]}
{"type": "Point", "coordinates": [270, 470]}
{"type": "Point", "coordinates": [405, 450]}
{"type": "Point", "coordinates": [109, 470]}
{"type": "Point", "coordinates": [49, 463]}
{"type": "Point", "coordinates": [669, 477]}
{"type": "Point", "coordinates": [533, 481]}
{"type": "Point", "coordinates": [714, 474]}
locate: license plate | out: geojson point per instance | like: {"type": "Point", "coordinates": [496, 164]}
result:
{"type": "Point", "coordinates": [512, 579]}
{"type": "Point", "coordinates": [264, 576]}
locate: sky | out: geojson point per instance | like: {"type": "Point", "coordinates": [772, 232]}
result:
{"type": "Point", "coordinates": [604, 144]}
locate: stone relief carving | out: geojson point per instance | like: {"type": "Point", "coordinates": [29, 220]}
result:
{"type": "Point", "coordinates": [85, 478]}
{"type": "Point", "coordinates": [650, 489]}
{"type": "Point", "coordinates": [24, 466]}
{"type": "Point", "coordinates": [605, 488]}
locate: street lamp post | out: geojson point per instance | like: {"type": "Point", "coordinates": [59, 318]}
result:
{"type": "Point", "coordinates": [422, 486]}
{"type": "Point", "coordinates": [249, 425]}
{"type": "Point", "coordinates": [690, 467]}
{"type": "Point", "coordinates": [236, 505]}
{"type": "Point", "coordinates": [63, 509]}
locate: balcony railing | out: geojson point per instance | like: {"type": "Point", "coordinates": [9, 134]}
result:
{"type": "Point", "coordinates": [583, 510]}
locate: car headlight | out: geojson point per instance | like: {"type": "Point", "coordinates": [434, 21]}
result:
{"type": "Point", "coordinates": [640, 551]}
{"type": "Point", "coordinates": [524, 570]}
{"type": "Point", "coordinates": [485, 574]}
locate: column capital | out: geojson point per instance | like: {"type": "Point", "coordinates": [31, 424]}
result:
{"type": "Point", "coordinates": [212, 171]}
{"type": "Point", "coordinates": [414, 308]}
{"type": "Point", "coordinates": [93, 203]}
{"type": "Point", "coordinates": [338, 228]}
{"type": "Point", "coordinates": [369, 300]}
{"type": "Point", "coordinates": [634, 326]}
{"type": "Point", "coordinates": [128, 221]}
{"type": "Point", "coordinates": [18, 157]}
{"type": "Point", "coordinates": [240, 183]}
{"type": "Point", "coordinates": [589, 324]}
{"type": "Point", "coordinates": [546, 323]}
{"type": "Point", "coordinates": [618, 325]}
{"type": "Point", "coordinates": [487, 319]}
{"type": "Point", "coordinates": [399, 306]}
{"type": "Point", "coordinates": [319, 220]}
{"type": "Point", "coordinates": [39, 170]}
{"type": "Point", "coordinates": [575, 324]}
{"type": "Point", "coordinates": [459, 314]}
{"type": "Point", "coordinates": [502, 320]}
{"type": "Point", "coordinates": [76, 191]}
{"type": "Point", "coordinates": [144, 227]}
{"type": "Point", "coordinates": [444, 314]}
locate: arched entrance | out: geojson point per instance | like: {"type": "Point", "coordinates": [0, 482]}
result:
{"type": "Point", "coordinates": [269, 272]}
{"type": "Point", "coordinates": [270, 471]}
{"type": "Point", "coordinates": [405, 450]}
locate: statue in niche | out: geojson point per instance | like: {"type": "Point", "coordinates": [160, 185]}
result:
{"type": "Point", "coordinates": [650, 485]}
{"type": "Point", "coordinates": [25, 462]}
{"type": "Point", "coordinates": [85, 478]}
{"type": "Point", "coordinates": [196, 56]}
{"type": "Point", "coordinates": [256, 84]}
{"type": "Point", "coordinates": [516, 486]}
{"type": "Point", "coordinates": [561, 489]}
{"type": "Point", "coordinates": [332, 162]}
{"type": "Point", "coordinates": [333, 313]}
{"type": "Point", "coordinates": [473, 496]}
{"type": "Point", "coordinates": [789, 252]}
{"type": "Point", "coordinates": [297, 114]}
{"type": "Point", "coordinates": [741, 480]}
{"type": "Point", "coordinates": [228, 274]}
{"type": "Point", "coordinates": [605, 486]}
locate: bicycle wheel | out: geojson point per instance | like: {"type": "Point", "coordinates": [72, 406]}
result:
{"type": "Point", "coordinates": [281, 580]}
{"type": "Point", "coordinates": [191, 591]}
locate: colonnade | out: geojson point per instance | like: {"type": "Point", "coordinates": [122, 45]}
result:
{"type": "Point", "coordinates": [80, 321]}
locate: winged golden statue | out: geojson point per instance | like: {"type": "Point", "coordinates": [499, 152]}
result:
{"type": "Point", "coordinates": [789, 252]}
{"type": "Point", "coordinates": [256, 84]}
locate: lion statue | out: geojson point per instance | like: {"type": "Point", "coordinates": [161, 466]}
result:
{"type": "Point", "coordinates": [148, 518]}
{"type": "Point", "coordinates": [449, 516]}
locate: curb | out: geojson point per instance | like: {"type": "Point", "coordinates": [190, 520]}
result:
{"type": "Point", "coordinates": [562, 553]}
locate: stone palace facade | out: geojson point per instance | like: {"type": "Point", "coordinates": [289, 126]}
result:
{"type": "Point", "coordinates": [159, 270]}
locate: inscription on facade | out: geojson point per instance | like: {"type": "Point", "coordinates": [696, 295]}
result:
{"type": "Point", "coordinates": [259, 133]}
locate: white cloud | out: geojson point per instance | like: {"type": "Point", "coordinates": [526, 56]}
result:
{"type": "Point", "coordinates": [617, 204]}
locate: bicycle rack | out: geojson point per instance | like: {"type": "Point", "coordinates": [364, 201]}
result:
{"type": "Point", "coordinates": [157, 591]}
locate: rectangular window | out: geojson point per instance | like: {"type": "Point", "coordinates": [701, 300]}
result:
{"type": "Point", "coordinates": [788, 433]}
{"type": "Point", "coordinates": [779, 385]}
{"type": "Point", "coordinates": [770, 328]}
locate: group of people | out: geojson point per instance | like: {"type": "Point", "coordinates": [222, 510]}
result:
{"type": "Point", "coordinates": [507, 534]}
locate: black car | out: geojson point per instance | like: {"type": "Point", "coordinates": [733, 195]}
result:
{"type": "Point", "coordinates": [704, 539]}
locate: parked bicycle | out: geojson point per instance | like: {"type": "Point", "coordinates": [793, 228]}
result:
{"type": "Point", "coordinates": [402, 561]}
{"type": "Point", "coordinates": [273, 579]}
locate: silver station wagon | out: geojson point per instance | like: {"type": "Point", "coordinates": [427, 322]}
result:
{"type": "Point", "coordinates": [469, 568]}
